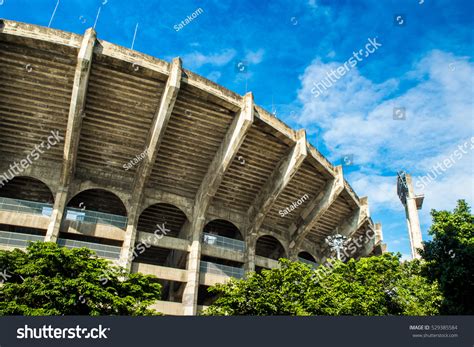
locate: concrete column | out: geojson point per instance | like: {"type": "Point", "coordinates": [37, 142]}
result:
{"type": "Point", "coordinates": [73, 131]}
{"type": "Point", "coordinates": [128, 245]}
{"type": "Point", "coordinates": [353, 223]}
{"type": "Point", "coordinates": [190, 294]}
{"type": "Point", "coordinates": [251, 243]}
{"type": "Point", "coordinates": [277, 182]}
{"type": "Point", "coordinates": [378, 233]}
{"type": "Point", "coordinates": [59, 207]}
{"type": "Point", "coordinates": [414, 229]}
{"type": "Point", "coordinates": [316, 208]}
{"type": "Point", "coordinates": [222, 160]}
{"type": "Point", "coordinates": [152, 145]}
{"type": "Point", "coordinates": [293, 254]}
{"type": "Point", "coordinates": [411, 211]}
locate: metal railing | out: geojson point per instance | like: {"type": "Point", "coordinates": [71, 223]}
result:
{"type": "Point", "coordinates": [224, 242]}
{"type": "Point", "coordinates": [106, 251]}
{"type": "Point", "coordinates": [93, 217]}
{"type": "Point", "coordinates": [312, 263]}
{"type": "Point", "coordinates": [18, 239]}
{"type": "Point", "coordinates": [25, 206]}
{"type": "Point", "coordinates": [223, 270]}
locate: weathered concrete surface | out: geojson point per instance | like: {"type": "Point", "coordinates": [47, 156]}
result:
{"type": "Point", "coordinates": [212, 154]}
{"type": "Point", "coordinates": [155, 137]}
{"type": "Point", "coordinates": [315, 210]}
{"type": "Point", "coordinates": [71, 140]}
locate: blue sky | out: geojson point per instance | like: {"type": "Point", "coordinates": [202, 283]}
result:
{"type": "Point", "coordinates": [424, 66]}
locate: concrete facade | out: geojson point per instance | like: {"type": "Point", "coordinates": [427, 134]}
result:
{"type": "Point", "coordinates": [202, 203]}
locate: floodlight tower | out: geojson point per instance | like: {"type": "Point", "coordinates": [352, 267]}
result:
{"type": "Point", "coordinates": [337, 243]}
{"type": "Point", "coordinates": [412, 204]}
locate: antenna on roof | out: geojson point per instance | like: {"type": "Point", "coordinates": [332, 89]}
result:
{"type": "Point", "coordinates": [134, 35]}
{"type": "Point", "coordinates": [54, 12]}
{"type": "Point", "coordinates": [274, 113]}
{"type": "Point", "coordinates": [97, 17]}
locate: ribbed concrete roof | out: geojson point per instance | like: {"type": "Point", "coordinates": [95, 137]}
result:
{"type": "Point", "coordinates": [124, 91]}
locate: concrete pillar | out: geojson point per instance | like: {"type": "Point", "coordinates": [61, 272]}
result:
{"type": "Point", "coordinates": [190, 294]}
{"type": "Point", "coordinates": [414, 229]}
{"type": "Point", "coordinates": [59, 207]}
{"type": "Point", "coordinates": [223, 158]}
{"type": "Point", "coordinates": [73, 130]}
{"type": "Point", "coordinates": [378, 233]}
{"type": "Point", "coordinates": [251, 243]}
{"type": "Point", "coordinates": [293, 254]}
{"type": "Point", "coordinates": [412, 204]}
{"type": "Point", "coordinates": [153, 142]}
{"type": "Point", "coordinates": [316, 208]}
{"type": "Point", "coordinates": [128, 245]}
{"type": "Point", "coordinates": [354, 222]}
{"type": "Point", "coordinates": [277, 182]}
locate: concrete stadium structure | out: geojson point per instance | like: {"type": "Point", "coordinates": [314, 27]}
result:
{"type": "Point", "coordinates": [159, 169]}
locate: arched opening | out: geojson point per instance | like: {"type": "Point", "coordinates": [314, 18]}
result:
{"type": "Point", "coordinates": [158, 214]}
{"type": "Point", "coordinates": [19, 197]}
{"type": "Point", "coordinates": [222, 234]}
{"type": "Point", "coordinates": [97, 219]}
{"type": "Point", "coordinates": [28, 189]}
{"type": "Point", "coordinates": [269, 247]}
{"type": "Point", "coordinates": [307, 258]}
{"type": "Point", "coordinates": [160, 224]}
{"type": "Point", "coordinates": [98, 200]}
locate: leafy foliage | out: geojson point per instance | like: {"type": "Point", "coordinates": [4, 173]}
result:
{"type": "Point", "coordinates": [52, 280]}
{"type": "Point", "coordinates": [450, 258]}
{"type": "Point", "coordinates": [370, 286]}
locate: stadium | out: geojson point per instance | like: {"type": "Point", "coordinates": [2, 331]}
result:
{"type": "Point", "coordinates": [158, 169]}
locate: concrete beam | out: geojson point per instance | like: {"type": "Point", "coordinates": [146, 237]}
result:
{"type": "Point", "coordinates": [162, 272]}
{"type": "Point", "coordinates": [155, 137]}
{"type": "Point", "coordinates": [316, 208]}
{"type": "Point", "coordinates": [266, 262]}
{"type": "Point", "coordinates": [164, 242]}
{"type": "Point", "coordinates": [378, 233]}
{"type": "Point", "coordinates": [208, 279]}
{"type": "Point", "coordinates": [222, 160]}
{"type": "Point", "coordinates": [73, 131]}
{"type": "Point", "coordinates": [277, 182]}
{"type": "Point", "coordinates": [168, 308]}
{"type": "Point", "coordinates": [222, 253]}
{"type": "Point", "coordinates": [368, 247]}
{"type": "Point", "coordinates": [39, 33]}
{"type": "Point", "coordinates": [360, 215]}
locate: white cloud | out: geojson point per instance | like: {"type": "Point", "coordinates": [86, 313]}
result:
{"type": "Point", "coordinates": [381, 190]}
{"type": "Point", "coordinates": [198, 59]}
{"type": "Point", "coordinates": [254, 57]}
{"type": "Point", "coordinates": [355, 116]}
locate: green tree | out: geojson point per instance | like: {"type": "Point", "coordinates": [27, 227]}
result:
{"type": "Point", "coordinates": [52, 280]}
{"type": "Point", "coordinates": [450, 258]}
{"type": "Point", "coordinates": [370, 286]}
